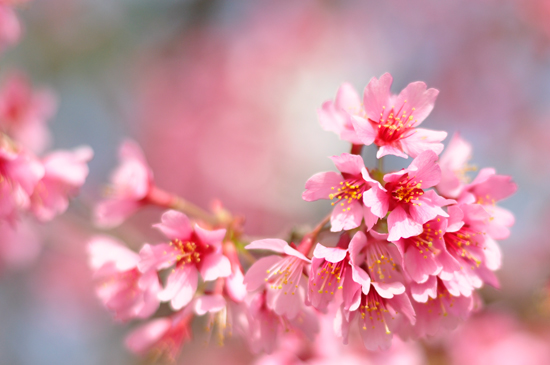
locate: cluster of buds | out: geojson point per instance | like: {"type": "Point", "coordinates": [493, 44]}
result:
{"type": "Point", "coordinates": [402, 252]}
{"type": "Point", "coordinates": [31, 182]}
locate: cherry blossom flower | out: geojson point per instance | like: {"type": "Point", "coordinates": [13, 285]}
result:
{"type": "Point", "coordinates": [336, 116]}
{"type": "Point", "coordinates": [122, 288]}
{"type": "Point", "coordinates": [281, 276]}
{"type": "Point", "coordinates": [331, 272]}
{"type": "Point", "coordinates": [191, 250]}
{"type": "Point", "coordinates": [65, 173]}
{"type": "Point", "coordinates": [390, 121]}
{"type": "Point", "coordinates": [378, 315]}
{"type": "Point", "coordinates": [131, 182]}
{"type": "Point", "coordinates": [347, 189]}
{"type": "Point", "coordinates": [24, 112]}
{"type": "Point", "coordinates": [437, 310]}
{"type": "Point", "coordinates": [405, 197]}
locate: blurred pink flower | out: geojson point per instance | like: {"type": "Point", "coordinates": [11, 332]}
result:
{"type": "Point", "coordinates": [131, 182]}
{"type": "Point", "coordinates": [122, 288]}
{"type": "Point", "coordinates": [19, 174]}
{"type": "Point", "coordinates": [24, 112]}
{"type": "Point", "coordinates": [165, 335]}
{"type": "Point", "coordinates": [348, 188]}
{"type": "Point", "coordinates": [336, 116]}
{"type": "Point", "coordinates": [281, 276]}
{"type": "Point", "coordinates": [192, 250]}
{"type": "Point", "coordinates": [10, 29]}
{"type": "Point", "coordinates": [65, 173]}
{"type": "Point", "coordinates": [390, 121]}
{"type": "Point", "coordinates": [453, 167]}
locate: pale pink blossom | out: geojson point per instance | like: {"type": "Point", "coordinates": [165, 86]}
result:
{"type": "Point", "coordinates": [191, 250]}
{"type": "Point", "coordinates": [336, 116]}
{"type": "Point", "coordinates": [281, 276]}
{"type": "Point", "coordinates": [331, 274]}
{"type": "Point", "coordinates": [163, 335]}
{"type": "Point", "coordinates": [122, 288]}
{"type": "Point", "coordinates": [453, 163]}
{"type": "Point", "coordinates": [65, 173]}
{"type": "Point", "coordinates": [405, 197]}
{"type": "Point", "coordinates": [382, 259]}
{"type": "Point", "coordinates": [425, 255]}
{"type": "Point", "coordinates": [24, 112]}
{"type": "Point", "coordinates": [346, 189]}
{"type": "Point", "coordinates": [390, 121]}
{"type": "Point", "coordinates": [437, 310]}
{"type": "Point", "coordinates": [487, 189]}
{"type": "Point", "coordinates": [477, 254]}
{"type": "Point", "coordinates": [131, 182]}
{"type": "Point", "coordinates": [378, 315]}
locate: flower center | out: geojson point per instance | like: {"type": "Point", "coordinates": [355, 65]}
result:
{"type": "Point", "coordinates": [393, 124]}
{"type": "Point", "coordinates": [465, 244]}
{"type": "Point", "coordinates": [424, 242]}
{"type": "Point", "coordinates": [329, 276]}
{"type": "Point", "coordinates": [188, 252]}
{"type": "Point", "coordinates": [347, 192]}
{"type": "Point", "coordinates": [408, 190]}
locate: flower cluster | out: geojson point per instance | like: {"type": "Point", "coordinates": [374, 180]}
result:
{"type": "Point", "coordinates": [31, 182]}
{"type": "Point", "coordinates": [402, 252]}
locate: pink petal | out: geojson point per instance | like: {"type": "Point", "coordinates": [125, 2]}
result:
{"type": "Point", "coordinates": [401, 226]}
{"type": "Point", "coordinates": [257, 273]}
{"type": "Point", "coordinates": [180, 287]}
{"type": "Point", "coordinates": [157, 257]}
{"type": "Point", "coordinates": [419, 98]}
{"type": "Point", "coordinates": [210, 238]}
{"type": "Point", "coordinates": [209, 304]}
{"type": "Point", "coordinates": [390, 150]}
{"type": "Point", "coordinates": [388, 290]}
{"type": "Point", "coordinates": [366, 133]}
{"type": "Point", "coordinates": [421, 292]}
{"type": "Point", "coordinates": [142, 338]}
{"type": "Point", "coordinates": [348, 99]}
{"type": "Point", "coordinates": [419, 265]}
{"type": "Point", "coordinates": [215, 266]}
{"type": "Point", "coordinates": [348, 163]}
{"type": "Point", "coordinates": [361, 277]}
{"type": "Point", "coordinates": [330, 254]}
{"type": "Point", "coordinates": [104, 249]}
{"type": "Point", "coordinates": [175, 225]}
{"type": "Point", "coordinates": [344, 219]}
{"type": "Point", "coordinates": [376, 95]}
{"type": "Point", "coordinates": [377, 200]}
{"type": "Point", "coordinates": [271, 244]}
{"type": "Point", "coordinates": [426, 170]}
{"type": "Point", "coordinates": [321, 185]}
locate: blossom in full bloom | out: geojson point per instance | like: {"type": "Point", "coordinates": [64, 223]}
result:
{"type": "Point", "coordinates": [281, 276]}
{"type": "Point", "coordinates": [390, 121]}
{"type": "Point", "coordinates": [332, 271]}
{"type": "Point", "coordinates": [25, 111]}
{"type": "Point", "coordinates": [378, 315]}
{"type": "Point", "coordinates": [405, 197]}
{"type": "Point", "coordinates": [64, 173]}
{"type": "Point", "coordinates": [131, 182]}
{"type": "Point", "coordinates": [346, 189]}
{"type": "Point", "coordinates": [191, 250]}
{"type": "Point", "coordinates": [336, 116]}
{"type": "Point", "coordinates": [122, 288]}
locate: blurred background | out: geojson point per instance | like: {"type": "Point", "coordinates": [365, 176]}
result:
{"type": "Point", "coordinates": [222, 96]}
